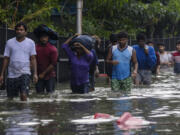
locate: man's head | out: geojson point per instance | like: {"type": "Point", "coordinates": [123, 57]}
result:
{"type": "Point", "coordinates": [141, 39]}
{"type": "Point", "coordinates": [113, 39]}
{"type": "Point", "coordinates": [44, 34]}
{"type": "Point", "coordinates": [44, 38]}
{"type": "Point", "coordinates": [21, 30]}
{"type": "Point", "coordinates": [161, 47]}
{"type": "Point", "coordinates": [122, 38]}
{"type": "Point", "coordinates": [150, 43]}
{"type": "Point", "coordinates": [178, 45]}
{"type": "Point", "coordinates": [78, 48]}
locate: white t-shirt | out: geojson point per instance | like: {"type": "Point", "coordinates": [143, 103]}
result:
{"type": "Point", "coordinates": [165, 58]}
{"type": "Point", "coordinates": [19, 54]}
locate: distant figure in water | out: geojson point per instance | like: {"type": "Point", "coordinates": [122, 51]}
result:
{"type": "Point", "coordinates": [121, 56]}
{"type": "Point", "coordinates": [146, 58]}
{"type": "Point", "coordinates": [78, 50]}
{"type": "Point", "coordinates": [176, 58]}
{"type": "Point", "coordinates": [165, 57]}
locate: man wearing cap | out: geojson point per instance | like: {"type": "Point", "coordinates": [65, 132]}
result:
{"type": "Point", "coordinates": [46, 61]}
{"type": "Point", "coordinates": [78, 50]}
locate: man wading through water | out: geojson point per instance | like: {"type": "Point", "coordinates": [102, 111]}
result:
{"type": "Point", "coordinates": [19, 53]}
{"type": "Point", "coordinates": [146, 58]}
{"type": "Point", "coordinates": [46, 59]}
{"type": "Point", "coordinates": [121, 56]}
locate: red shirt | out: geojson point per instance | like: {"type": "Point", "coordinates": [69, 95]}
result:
{"type": "Point", "coordinates": [46, 55]}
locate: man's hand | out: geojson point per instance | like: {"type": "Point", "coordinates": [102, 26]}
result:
{"type": "Point", "coordinates": [41, 76]}
{"type": "Point", "coordinates": [115, 62]}
{"type": "Point", "coordinates": [134, 73]}
{"type": "Point", "coordinates": [146, 50]}
{"type": "Point", "coordinates": [166, 63]}
{"type": "Point", "coordinates": [35, 78]}
{"type": "Point", "coordinates": [97, 72]}
{"type": "Point", "coordinates": [169, 64]}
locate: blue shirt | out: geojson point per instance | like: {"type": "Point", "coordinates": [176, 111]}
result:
{"type": "Point", "coordinates": [122, 70]}
{"type": "Point", "coordinates": [146, 62]}
{"type": "Point", "coordinates": [79, 66]}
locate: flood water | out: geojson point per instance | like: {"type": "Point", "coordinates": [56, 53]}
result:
{"type": "Point", "coordinates": [65, 114]}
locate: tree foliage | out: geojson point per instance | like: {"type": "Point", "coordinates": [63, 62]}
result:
{"type": "Point", "coordinates": [31, 12]}
{"type": "Point", "coordinates": [157, 18]}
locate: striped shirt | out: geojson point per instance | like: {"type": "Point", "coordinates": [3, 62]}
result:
{"type": "Point", "coordinates": [176, 59]}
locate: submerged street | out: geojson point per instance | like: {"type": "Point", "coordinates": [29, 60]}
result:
{"type": "Point", "coordinates": [63, 113]}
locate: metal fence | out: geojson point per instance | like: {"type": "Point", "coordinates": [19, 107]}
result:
{"type": "Point", "coordinates": [63, 72]}
{"type": "Point", "coordinates": [170, 43]}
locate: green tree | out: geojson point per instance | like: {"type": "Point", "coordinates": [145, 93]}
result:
{"type": "Point", "coordinates": [32, 12]}
{"type": "Point", "coordinates": [157, 18]}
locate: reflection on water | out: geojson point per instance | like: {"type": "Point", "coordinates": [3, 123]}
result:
{"type": "Point", "coordinates": [63, 113]}
{"type": "Point", "coordinates": [16, 121]}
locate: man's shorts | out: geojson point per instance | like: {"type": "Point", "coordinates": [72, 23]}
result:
{"type": "Point", "coordinates": [121, 85]}
{"type": "Point", "coordinates": [144, 77]}
{"type": "Point", "coordinates": [16, 85]}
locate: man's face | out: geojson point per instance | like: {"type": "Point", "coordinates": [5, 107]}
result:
{"type": "Point", "coordinates": [78, 48]}
{"type": "Point", "coordinates": [178, 47]}
{"type": "Point", "coordinates": [20, 32]}
{"type": "Point", "coordinates": [114, 42]}
{"type": "Point", "coordinates": [161, 48]}
{"type": "Point", "coordinates": [123, 41]}
{"type": "Point", "coordinates": [151, 44]}
{"type": "Point", "coordinates": [44, 39]}
{"type": "Point", "coordinates": [141, 43]}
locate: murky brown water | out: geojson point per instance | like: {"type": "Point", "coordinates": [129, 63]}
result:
{"type": "Point", "coordinates": [65, 114]}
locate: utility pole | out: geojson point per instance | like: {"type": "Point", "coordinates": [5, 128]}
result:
{"type": "Point", "coordinates": [79, 16]}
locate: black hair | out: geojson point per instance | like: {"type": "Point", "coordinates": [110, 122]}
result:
{"type": "Point", "coordinates": [160, 44]}
{"type": "Point", "coordinates": [141, 36]}
{"type": "Point", "coordinates": [122, 35]}
{"type": "Point", "coordinates": [148, 42]}
{"type": "Point", "coordinates": [43, 34]}
{"type": "Point", "coordinates": [178, 42]}
{"type": "Point", "coordinates": [113, 37]}
{"type": "Point", "coordinates": [21, 24]}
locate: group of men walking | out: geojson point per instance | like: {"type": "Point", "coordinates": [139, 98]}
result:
{"type": "Point", "coordinates": [22, 57]}
{"type": "Point", "coordinates": [122, 56]}
{"type": "Point", "coordinates": [125, 64]}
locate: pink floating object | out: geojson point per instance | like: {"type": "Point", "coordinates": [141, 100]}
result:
{"type": "Point", "coordinates": [127, 121]}
{"type": "Point", "coordinates": [124, 118]}
{"type": "Point", "coordinates": [101, 115]}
